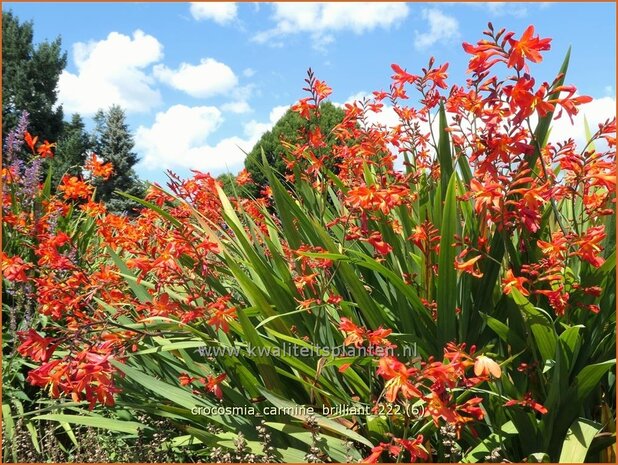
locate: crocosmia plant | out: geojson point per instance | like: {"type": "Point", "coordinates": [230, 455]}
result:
{"type": "Point", "coordinates": [438, 290]}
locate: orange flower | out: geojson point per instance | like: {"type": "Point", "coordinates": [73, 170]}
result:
{"type": "Point", "coordinates": [556, 247]}
{"type": "Point", "coordinates": [303, 107]}
{"type": "Point", "coordinates": [397, 376]}
{"type": "Point", "coordinates": [354, 334]}
{"type": "Point", "coordinates": [222, 317]}
{"type": "Point", "coordinates": [243, 178]}
{"type": "Point", "coordinates": [528, 47]}
{"type": "Point", "coordinates": [590, 245]}
{"type": "Point", "coordinates": [35, 346]}
{"type": "Point", "coordinates": [487, 195]}
{"type": "Point", "coordinates": [98, 168]}
{"type": "Point", "coordinates": [74, 188]}
{"type": "Point", "coordinates": [485, 366]}
{"type": "Point", "coordinates": [213, 383]}
{"type": "Point", "coordinates": [438, 76]}
{"type": "Point", "coordinates": [30, 141]}
{"type": "Point", "coordinates": [414, 447]}
{"type": "Point", "coordinates": [529, 402]}
{"type": "Point", "coordinates": [378, 337]}
{"type": "Point", "coordinates": [45, 150]}
{"type": "Point", "coordinates": [469, 265]}
{"type": "Point", "coordinates": [512, 281]}
{"type": "Point", "coordinates": [321, 89]}
{"type": "Point", "coordinates": [14, 268]}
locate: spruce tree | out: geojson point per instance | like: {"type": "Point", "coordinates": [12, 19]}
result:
{"type": "Point", "coordinates": [114, 143]}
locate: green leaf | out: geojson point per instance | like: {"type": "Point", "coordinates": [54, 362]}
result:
{"type": "Point", "coordinates": [587, 380]}
{"type": "Point", "coordinates": [447, 275]}
{"type": "Point", "coordinates": [264, 363]}
{"type": "Point", "coordinates": [540, 325]}
{"type": "Point", "coordinates": [333, 447]}
{"type": "Point", "coordinates": [578, 440]}
{"type": "Point", "coordinates": [444, 152]}
{"type": "Point", "coordinates": [294, 410]}
{"type": "Point", "coordinates": [167, 391]}
{"type": "Point", "coordinates": [131, 427]}
{"type": "Point", "coordinates": [47, 185]}
{"type": "Point", "coordinates": [507, 334]}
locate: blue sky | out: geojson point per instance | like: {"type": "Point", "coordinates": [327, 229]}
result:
{"type": "Point", "coordinates": [198, 81]}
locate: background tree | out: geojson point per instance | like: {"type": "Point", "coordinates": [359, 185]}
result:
{"type": "Point", "coordinates": [287, 128]}
{"type": "Point", "coordinates": [29, 79]}
{"type": "Point", "coordinates": [114, 143]}
{"type": "Point", "coordinates": [72, 149]}
{"type": "Point", "coordinates": [228, 183]}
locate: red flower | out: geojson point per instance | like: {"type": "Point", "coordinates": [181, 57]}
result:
{"type": "Point", "coordinates": [377, 451]}
{"type": "Point", "coordinates": [381, 247]}
{"type": "Point", "coordinates": [400, 77]}
{"type": "Point", "coordinates": [185, 379]}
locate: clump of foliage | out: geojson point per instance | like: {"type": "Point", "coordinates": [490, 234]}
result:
{"type": "Point", "coordinates": [471, 292]}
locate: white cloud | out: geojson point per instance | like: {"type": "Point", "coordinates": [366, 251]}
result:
{"type": "Point", "coordinates": [236, 107]}
{"type": "Point", "coordinates": [319, 19]}
{"type": "Point", "coordinates": [219, 12]}
{"type": "Point", "coordinates": [517, 10]}
{"type": "Point", "coordinates": [442, 28]}
{"type": "Point", "coordinates": [254, 129]}
{"type": "Point", "coordinates": [175, 133]}
{"type": "Point", "coordinates": [209, 78]}
{"type": "Point", "coordinates": [112, 71]}
{"type": "Point", "coordinates": [180, 137]}
{"type": "Point", "coordinates": [248, 72]}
